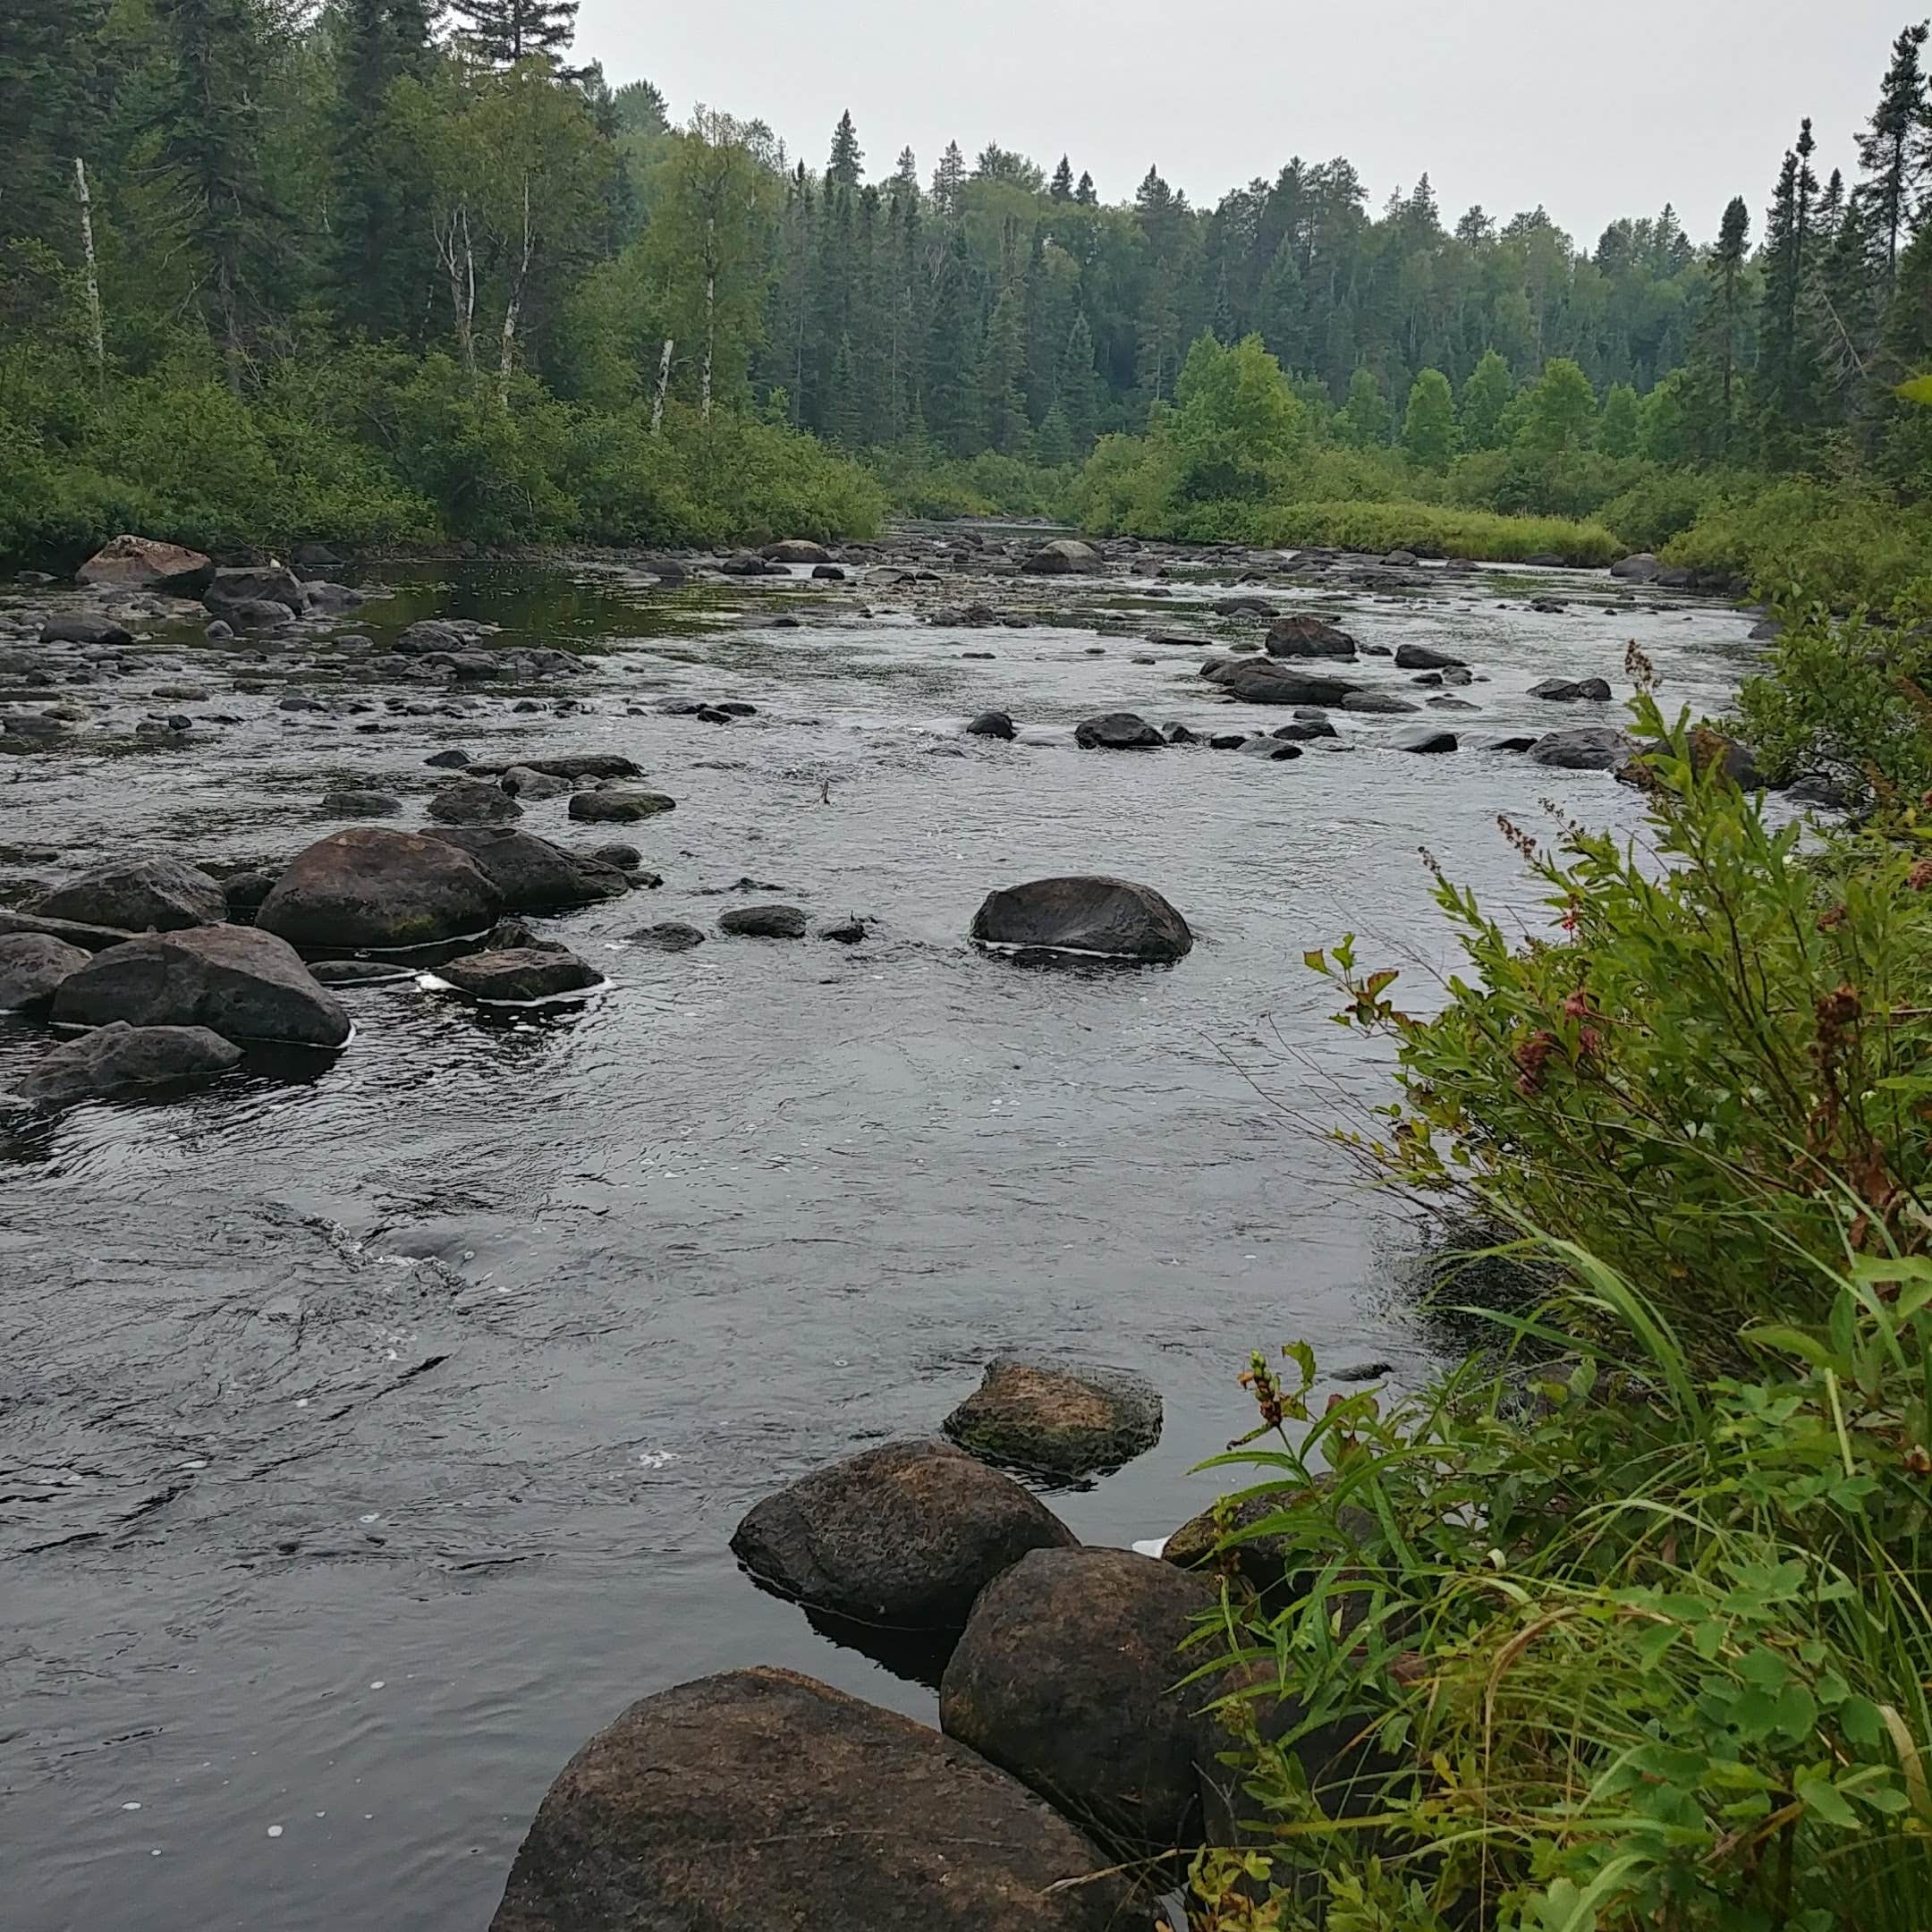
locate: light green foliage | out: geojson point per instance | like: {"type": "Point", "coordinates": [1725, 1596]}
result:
{"type": "Point", "coordinates": [1560, 410]}
{"type": "Point", "coordinates": [1618, 428]}
{"type": "Point", "coordinates": [1485, 395]}
{"type": "Point", "coordinates": [1429, 424]}
{"type": "Point", "coordinates": [1365, 418]}
{"type": "Point", "coordinates": [1236, 426]}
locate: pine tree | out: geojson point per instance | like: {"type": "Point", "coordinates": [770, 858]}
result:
{"type": "Point", "coordinates": [949, 181]}
{"type": "Point", "coordinates": [905, 180]}
{"type": "Point", "coordinates": [1086, 195]}
{"type": "Point", "coordinates": [503, 32]}
{"type": "Point", "coordinates": [1893, 148]}
{"type": "Point", "coordinates": [846, 168]}
{"type": "Point", "coordinates": [1716, 354]}
{"type": "Point", "coordinates": [1788, 375]}
{"type": "Point", "coordinates": [1062, 189]}
{"type": "Point", "coordinates": [47, 112]}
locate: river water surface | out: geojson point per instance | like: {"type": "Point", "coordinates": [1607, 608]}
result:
{"type": "Point", "coordinates": [371, 1435]}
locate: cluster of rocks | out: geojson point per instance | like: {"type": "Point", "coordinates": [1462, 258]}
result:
{"type": "Point", "coordinates": [1072, 1773]}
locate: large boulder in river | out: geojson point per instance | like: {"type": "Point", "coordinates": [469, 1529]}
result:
{"type": "Point", "coordinates": [161, 893]}
{"type": "Point", "coordinates": [1065, 556]}
{"type": "Point", "coordinates": [1117, 730]}
{"type": "Point", "coordinates": [1642, 568]}
{"type": "Point", "coordinates": [905, 1536]}
{"type": "Point", "coordinates": [141, 564]}
{"type": "Point", "coordinates": [1270, 681]}
{"type": "Point", "coordinates": [113, 1058]}
{"type": "Point", "coordinates": [270, 583]}
{"type": "Point", "coordinates": [373, 889]}
{"type": "Point", "coordinates": [533, 875]}
{"type": "Point", "coordinates": [236, 981]}
{"type": "Point", "coordinates": [795, 550]}
{"type": "Point", "coordinates": [1111, 917]}
{"type": "Point", "coordinates": [1308, 636]}
{"type": "Point", "coordinates": [31, 968]}
{"type": "Point", "coordinates": [764, 1799]}
{"type": "Point", "coordinates": [521, 973]}
{"type": "Point", "coordinates": [469, 801]}
{"type": "Point", "coordinates": [992, 725]}
{"type": "Point", "coordinates": [1592, 747]}
{"type": "Point", "coordinates": [1058, 1419]}
{"type": "Point", "coordinates": [1066, 1676]}
{"type": "Point", "coordinates": [1425, 657]}
{"type": "Point", "coordinates": [78, 628]}
{"type": "Point", "coordinates": [619, 805]}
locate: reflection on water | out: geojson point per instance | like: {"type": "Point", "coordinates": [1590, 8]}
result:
{"type": "Point", "coordinates": [371, 1433]}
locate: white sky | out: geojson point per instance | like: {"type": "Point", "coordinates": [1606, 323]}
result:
{"type": "Point", "coordinates": [1594, 111]}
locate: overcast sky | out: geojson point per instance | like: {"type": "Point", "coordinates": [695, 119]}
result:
{"type": "Point", "coordinates": [1594, 111]}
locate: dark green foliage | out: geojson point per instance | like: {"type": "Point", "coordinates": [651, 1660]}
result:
{"type": "Point", "coordinates": [1892, 147]}
{"type": "Point", "coordinates": [504, 32]}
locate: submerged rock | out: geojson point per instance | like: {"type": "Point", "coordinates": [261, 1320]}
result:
{"type": "Point", "coordinates": [521, 973]}
{"type": "Point", "coordinates": [765, 922]}
{"type": "Point", "coordinates": [380, 889]}
{"type": "Point", "coordinates": [141, 564]}
{"type": "Point", "coordinates": [161, 893]}
{"type": "Point", "coordinates": [1117, 730]}
{"type": "Point", "coordinates": [672, 936]}
{"type": "Point", "coordinates": [360, 805]}
{"type": "Point", "coordinates": [1111, 917]}
{"type": "Point", "coordinates": [763, 1798]}
{"type": "Point", "coordinates": [1058, 1419]}
{"type": "Point", "coordinates": [907, 1536]}
{"type": "Point", "coordinates": [119, 1057]}
{"type": "Point", "coordinates": [1067, 1677]}
{"type": "Point", "coordinates": [234, 980]}
{"type": "Point", "coordinates": [991, 724]}
{"type": "Point", "coordinates": [32, 967]}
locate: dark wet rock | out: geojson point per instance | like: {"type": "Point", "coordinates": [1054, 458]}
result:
{"type": "Point", "coordinates": [906, 1535]}
{"type": "Point", "coordinates": [765, 922]}
{"type": "Point", "coordinates": [844, 931]}
{"type": "Point", "coordinates": [1425, 657]}
{"type": "Point", "coordinates": [1244, 606]}
{"type": "Point", "coordinates": [1377, 704]}
{"type": "Point", "coordinates": [1179, 734]}
{"type": "Point", "coordinates": [672, 936]}
{"type": "Point", "coordinates": [75, 628]}
{"type": "Point", "coordinates": [520, 781]}
{"type": "Point", "coordinates": [795, 550]}
{"type": "Point", "coordinates": [259, 614]}
{"type": "Point", "coordinates": [316, 557]}
{"type": "Point", "coordinates": [1548, 607]}
{"type": "Point", "coordinates": [618, 856]}
{"type": "Point", "coordinates": [242, 983]}
{"type": "Point", "coordinates": [827, 574]}
{"type": "Point", "coordinates": [1820, 789]}
{"type": "Point", "coordinates": [1058, 1419]}
{"type": "Point", "coordinates": [1180, 642]}
{"type": "Point", "coordinates": [1228, 741]}
{"type": "Point", "coordinates": [1452, 704]}
{"type": "Point", "coordinates": [469, 802]}
{"type": "Point", "coordinates": [1563, 690]}
{"type": "Point", "coordinates": [31, 967]}
{"type": "Point", "coordinates": [450, 761]}
{"type": "Point", "coordinates": [1767, 631]}
{"type": "Point", "coordinates": [141, 564]}
{"type": "Point", "coordinates": [164, 895]}
{"type": "Point", "coordinates": [324, 598]}
{"type": "Point", "coordinates": [71, 932]}
{"type": "Point", "coordinates": [1400, 560]}
{"type": "Point", "coordinates": [1521, 743]}
{"type": "Point", "coordinates": [1270, 681]}
{"type": "Point", "coordinates": [531, 873]}
{"type": "Point", "coordinates": [431, 634]}
{"type": "Point", "coordinates": [1065, 556]}
{"type": "Point", "coordinates": [1272, 750]}
{"type": "Point", "coordinates": [597, 764]}
{"type": "Point", "coordinates": [1304, 729]}
{"type": "Point", "coordinates": [617, 805]}
{"type": "Point", "coordinates": [1591, 748]}
{"type": "Point", "coordinates": [357, 972]}
{"type": "Point", "coordinates": [1308, 636]}
{"type": "Point", "coordinates": [1259, 1562]}
{"type": "Point", "coordinates": [991, 724]}
{"type": "Point", "coordinates": [1641, 567]}
{"type": "Point", "coordinates": [273, 583]}
{"type": "Point", "coordinates": [33, 731]}
{"type": "Point", "coordinates": [1544, 560]}
{"type": "Point", "coordinates": [219, 631]}
{"type": "Point", "coordinates": [246, 891]}
{"type": "Point", "coordinates": [375, 889]}
{"type": "Point", "coordinates": [1431, 742]}
{"type": "Point", "coordinates": [744, 564]}
{"type": "Point", "coordinates": [523, 973]}
{"type": "Point", "coordinates": [1066, 1676]}
{"type": "Point", "coordinates": [761, 1799]}
{"type": "Point", "coordinates": [116, 1058]}
{"type": "Point", "coordinates": [360, 805]}
{"type": "Point", "coordinates": [666, 570]}
{"type": "Point", "coordinates": [1110, 917]}
{"type": "Point", "coordinates": [1427, 681]}
{"type": "Point", "coordinates": [1117, 730]}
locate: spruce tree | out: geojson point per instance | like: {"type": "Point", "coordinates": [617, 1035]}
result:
{"type": "Point", "coordinates": [1001, 405]}
{"type": "Point", "coordinates": [1062, 189]}
{"type": "Point", "coordinates": [48, 57]}
{"type": "Point", "coordinates": [1716, 358]}
{"type": "Point", "coordinates": [846, 167]}
{"type": "Point", "coordinates": [1076, 392]}
{"type": "Point", "coordinates": [503, 32]}
{"type": "Point", "coordinates": [949, 353]}
{"type": "Point", "coordinates": [1086, 195]}
{"type": "Point", "coordinates": [905, 180]}
{"type": "Point", "coordinates": [949, 181]}
{"type": "Point", "coordinates": [1893, 148]}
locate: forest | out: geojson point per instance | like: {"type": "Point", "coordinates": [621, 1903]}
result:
{"type": "Point", "coordinates": [391, 273]}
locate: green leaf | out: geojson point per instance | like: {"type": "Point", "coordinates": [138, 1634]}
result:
{"type": "Point", "coordinates": [1821, 1796]}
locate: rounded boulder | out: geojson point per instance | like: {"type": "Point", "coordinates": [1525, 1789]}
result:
{"type": "Point", "coordinates": [372, 889]}
{"type": "Point", "coordinates": [1111, 917]}
{"type": "Point", "coordinates": [1058, 1421]}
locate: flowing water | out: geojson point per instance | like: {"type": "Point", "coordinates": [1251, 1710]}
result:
{"type": "Point", "coordinates": [370, 1433]}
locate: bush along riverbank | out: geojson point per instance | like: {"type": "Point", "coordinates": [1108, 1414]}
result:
{"type": "Point", "coordinates": [1624, 1621]}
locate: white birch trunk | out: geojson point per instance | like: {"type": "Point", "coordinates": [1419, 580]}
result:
{"type": "Point", "coordinates": [96, 327]}
{"type": "Point", "coordinates": [664, 384]}
{"type": "Point", "coordinates": [513, 313]}
{"type": "Point", "coordinates": [458, 258]}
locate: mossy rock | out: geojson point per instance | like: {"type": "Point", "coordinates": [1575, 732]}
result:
{"type": "Point", "coordinates": [1060, 1420]}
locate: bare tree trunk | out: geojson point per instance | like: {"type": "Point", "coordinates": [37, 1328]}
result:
{"type": "Point", "coordinates": [514, 311]}
{"type": "Point", "coordinates": [664, 384]}
{"type": "Point", "coordinates": [458, 258]}
{"type": "Point", "coordinates": [710, 316]}
{"type": "Point", "coordinates": [93, 275]}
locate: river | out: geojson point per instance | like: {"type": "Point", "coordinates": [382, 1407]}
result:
{"type": "Point", "coordinates": [371, 1434]}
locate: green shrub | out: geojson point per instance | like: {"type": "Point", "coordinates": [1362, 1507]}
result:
{"type": "Point", "coordinates": [1837, 543]}
{"type": "Point", "coordinates": [1431, 529]}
